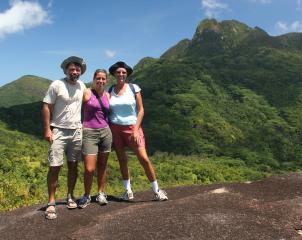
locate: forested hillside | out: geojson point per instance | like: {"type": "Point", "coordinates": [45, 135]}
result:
{"type": "Point", "coordinates": [231, 91]}
{"type": "Point", "coordinates": [27, 89]}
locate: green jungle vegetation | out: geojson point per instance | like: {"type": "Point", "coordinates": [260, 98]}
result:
{"type": "Point", "coordinates": [27, 89]}
{"type": "Point", "coordinates": [23, 171]}
{"type": "Point", "coordinates": [224, 106]}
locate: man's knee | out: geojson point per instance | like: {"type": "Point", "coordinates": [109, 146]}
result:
{"type": "Point", "coordinates": [53, 174]}
{"type": "Point", "coordinates": [54, 170]}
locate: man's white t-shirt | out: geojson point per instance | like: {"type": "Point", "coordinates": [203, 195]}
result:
{"type": "Point", "coordinates": [66, 99]}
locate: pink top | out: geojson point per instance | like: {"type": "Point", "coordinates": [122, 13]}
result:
{"type": "Point", "coordinates": [94, 116]}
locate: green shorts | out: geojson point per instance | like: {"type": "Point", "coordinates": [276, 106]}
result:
{"type": "Point", "coordinates": [96, 141]}
{"type": "Point", "coordinates": [65, 141]}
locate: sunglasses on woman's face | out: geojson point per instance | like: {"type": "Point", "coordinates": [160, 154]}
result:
{"type": "Point", "coordinates": [122, 72]}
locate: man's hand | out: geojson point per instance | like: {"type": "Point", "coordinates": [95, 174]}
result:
{"type": "Point", "coordinates": [48, 135]}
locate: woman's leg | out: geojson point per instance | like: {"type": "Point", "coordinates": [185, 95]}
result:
{"type": "Point", "coordinates": [102, 165]}
{"type": "Point", "coordinates": [144, 160]}
{"type": "Point", "coordinates": [123, 162]}
{"type": "Point", "coordinates": [119, 147]}
{"type": "Point", "coordinates": [142, 155]}
{"type": "Point", "coordinates": [90, 165]}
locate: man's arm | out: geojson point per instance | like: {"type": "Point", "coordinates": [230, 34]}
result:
{"type": "Point", "coordinates": [46, 114]}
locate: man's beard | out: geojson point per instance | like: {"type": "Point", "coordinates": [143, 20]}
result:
{"type": "Point", "coordinates": [73, 77]}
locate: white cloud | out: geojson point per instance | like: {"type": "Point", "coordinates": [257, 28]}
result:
{"type": "Point", "coordinates": [22, 15]}
{"type": "Point", "coordinates": [110, 53]}
{"type": "Point", "coordinates": [281, 26]}
{"type": "Point", "coordinates": [284, 27]}
{"type": "Point", "coordinates": [296, 26]}
{"type": "Point", "coordinates": [262, 1]}
{"type": "Point", "coordinates": [49, 5]}
{"type": "Point", "coordinates": [213, 7]}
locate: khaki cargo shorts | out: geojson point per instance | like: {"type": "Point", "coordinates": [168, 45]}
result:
{"type": "Point", "coordinates": [96, 141]}
{"type": "Point", "coordinates": [65, 141]}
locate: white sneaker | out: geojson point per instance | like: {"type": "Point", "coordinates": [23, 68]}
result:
{"type": "Point", "coordinates": [127, 195]}
{"type": "Point", "coordinates": [161, 195]}
{"type": "Point", "coordinates": [101, 198]}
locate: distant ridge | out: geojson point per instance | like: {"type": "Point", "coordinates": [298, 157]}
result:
{"type": "Point", "coordinates": [27, 89]}
{"type": "Point", "coordinates": [212, 38]}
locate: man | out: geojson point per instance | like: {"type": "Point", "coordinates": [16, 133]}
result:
{"type": "Point", "coordinates": [61, 113]}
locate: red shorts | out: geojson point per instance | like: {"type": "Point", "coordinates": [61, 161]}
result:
{"type": "Point", "coordinates": [123, 136]}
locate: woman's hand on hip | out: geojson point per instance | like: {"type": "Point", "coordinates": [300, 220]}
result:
{"type": "Point", "coordinates": [135, 136]}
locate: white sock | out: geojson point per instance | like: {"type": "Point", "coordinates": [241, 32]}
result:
{"type": "Point", "coordinates": [154, 186]}
{"type": "Point", "coordinates": [127, 185]}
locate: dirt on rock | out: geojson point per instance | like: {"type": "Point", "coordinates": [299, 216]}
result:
{"type": "Point", "coordinates": [266, 209]}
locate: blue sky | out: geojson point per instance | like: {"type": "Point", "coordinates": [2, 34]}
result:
{"type": "Point", "coordinates": [36, 35]}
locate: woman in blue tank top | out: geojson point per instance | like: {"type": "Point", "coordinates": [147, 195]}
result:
{"type": "Point", "coordinates": [126, 115]}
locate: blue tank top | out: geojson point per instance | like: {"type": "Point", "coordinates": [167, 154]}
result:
{"type": "Point", "coordinates": [123, 108]}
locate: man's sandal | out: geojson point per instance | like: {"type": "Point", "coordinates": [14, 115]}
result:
{"type": "Point", "coordinates": [71, 204]}
{"type": "Point", "coordinates": [50, 212]}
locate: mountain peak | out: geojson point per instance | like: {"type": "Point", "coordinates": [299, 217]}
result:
{"type": "Point", "coordinates": [229, 31]}
{"type": "Point", "coordinates": [212, 38]}
{"type": "Point", "coordinates": [226, 26]}
{"type": "Point", "coordinates": [207, 24]}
